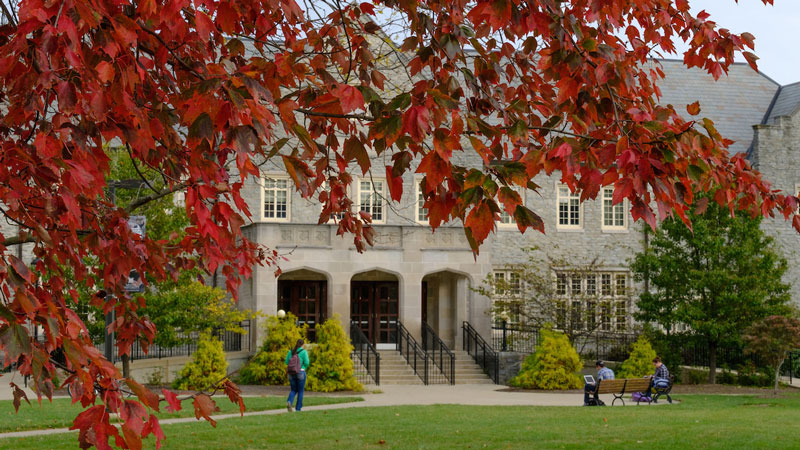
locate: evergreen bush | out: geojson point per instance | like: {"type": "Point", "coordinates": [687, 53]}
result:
{"type": "Point", "coordinates": [640, 361]}
{"type": "Point", "coordinates": [331, 367]}
{"type": "Point", "coordinates": [207, 367]}
{"type": "Point", "coordinates": [554, 365]}
{"type": "Point", "coordinates": [268, 366]}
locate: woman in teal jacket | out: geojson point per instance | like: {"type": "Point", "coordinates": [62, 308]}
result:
{"type": "Point", "coordinates": [297, 375]}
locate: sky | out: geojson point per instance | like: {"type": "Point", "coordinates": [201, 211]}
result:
{"type": "Point", "coordinates": [775, 27]}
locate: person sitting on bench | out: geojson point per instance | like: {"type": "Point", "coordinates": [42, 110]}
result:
{"type": "Point", "coordinates": [660, 378]}
{"type": "Point", "coordinates": [603, 373]}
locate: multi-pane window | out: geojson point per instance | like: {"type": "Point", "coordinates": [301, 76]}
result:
{"type": "Point", "coordinates": [371, 199]}
{"type": "Point", "coordinates": [591, 284]}
{"type": "Point", "coordinates": [561, 284]}
{"type": "Point", "coordinates": [508, 283]}
{"type": "Point", "coordinates": [421, 211]}
{"type": "Point", "coordinates": [622, 284]}
{"type": "Point", "coordinates": [569, 208]}
{"type": "Point", "coordinates": [605, 316]}
{"type": "Point", "coordinates": [577, 281]}
{"type": "Point", "coordinates": [276, 199]}
{"type": "Point", "coordinates": [614, 216]}
{"type": "Point", "coordinates": [506, 218]}
{"type": "Point", "coordinates": [621, 315]}
{"type": "Point", "coordinates": [589, 306]}
{"type": "Point", "coordinates": [605, 284]}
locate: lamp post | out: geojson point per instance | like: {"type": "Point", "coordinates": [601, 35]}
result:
{"type": "Point", "coordinates": [504, 318]}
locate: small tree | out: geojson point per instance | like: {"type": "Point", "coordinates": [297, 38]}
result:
{"type": "Point", "coordinates": [553, 366]}
{"type": "Point", "coordinates": [206, 369]}
{"type": "Point", "coordinates": [268, 366]}
{"type": "Point", "coordinates": [640, 361]}
{"type": "Point", "coordinates": [773, 338]}
{"type": "Point", "coordinates": [331, 367]}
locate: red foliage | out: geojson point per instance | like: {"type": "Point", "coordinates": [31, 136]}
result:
{"type": "Point", "coordinates": [546, 86]}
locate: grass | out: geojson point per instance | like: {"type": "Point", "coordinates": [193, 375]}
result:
{"type": "Point", "coordinates": [60, 413]}
{"type": "Point", "coordinates": [699, 421]}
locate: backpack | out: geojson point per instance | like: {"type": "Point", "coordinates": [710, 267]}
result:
{"type": "Point", "coordinates": [640, 397]}
{"type": "Point", "coordinates": [596, 402]}
{"type": "Point", "coordinates": [294, 366]}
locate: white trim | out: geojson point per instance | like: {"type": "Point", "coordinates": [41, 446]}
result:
{"type": "Point", "coordinates": [417, 206]}
{"type": "Point", "coordinates": [614, 209]}
{"type": "Point", "coordinates": [278, 179]}
{"type": "Point", "coordinates": [512, 224]}
{"type": "Point", "coordinates": [373, 182]}
{"type": "Point", "coordinates": [570, 196]}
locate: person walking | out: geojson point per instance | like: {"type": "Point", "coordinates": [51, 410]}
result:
{"type": "Point", "coordinates": [296, 365]}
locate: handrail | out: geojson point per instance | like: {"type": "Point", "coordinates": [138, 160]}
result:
{"type": "Point", "coordinates": [367, 355]}
{"type": "Point", "coordinates": [414, 355]}
{"type": "Point", "coordinates": [441, 356]}
{"type": "Point", "coordinates": [483, 353]}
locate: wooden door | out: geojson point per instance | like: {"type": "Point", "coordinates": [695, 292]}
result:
{"type": "Point", "coordinates": [361, 307]}
{"type": "Point", "coordinates": [304, 299]}
{"type": "Point", "coordinates": [374, 306]}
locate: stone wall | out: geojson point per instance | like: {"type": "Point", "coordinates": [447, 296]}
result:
{"type": "Point", "coordinates": [510, 363]}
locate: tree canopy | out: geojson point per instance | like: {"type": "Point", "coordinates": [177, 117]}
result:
{"type": "Point", "coordinates": [543, 86]}
{"type": "Point", "coordinates": [717, 278]}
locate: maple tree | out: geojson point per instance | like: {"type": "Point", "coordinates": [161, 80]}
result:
{"type": "Point", "coordinates": [204, 91]}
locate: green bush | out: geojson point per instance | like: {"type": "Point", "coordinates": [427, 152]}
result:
{"type": "Point", "coordinates": [749, 375]}
{"type": "Point", "coordinates": [694, 376]}
{"type": "Point", "coordinates": [726, 377]}
{"type": "Point", "coordinates": [640, 362]}
{"type": "Point", "coordinates": [553, 366]}
{"type": "Point", "coordinates": [331, 367]}
{"type": "Point", "coordinates": [268, 366]}
{"type": "Point", "coordinates": [207, 367]}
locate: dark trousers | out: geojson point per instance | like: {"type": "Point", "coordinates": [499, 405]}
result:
{"type": "Point", "coordinates": [587, 390]}
{"type": "Point", "coordinates": [297, 382]}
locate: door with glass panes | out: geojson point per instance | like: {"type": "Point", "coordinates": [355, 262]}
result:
{"type": "Point", "coordinates": [374, 307]}
{"type": "Point", "coordinates": [304, 299]}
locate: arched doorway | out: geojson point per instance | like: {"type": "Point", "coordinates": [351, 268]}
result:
{"type": "Point", "coordinates": [375, 305]}
{"type": "Point", "coordinates": [304, 293]}
{"type": "Point", "coordinates": [445, 297]}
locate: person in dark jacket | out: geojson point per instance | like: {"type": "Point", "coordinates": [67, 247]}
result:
{"type": "Point", "coordinates": [297, 381]}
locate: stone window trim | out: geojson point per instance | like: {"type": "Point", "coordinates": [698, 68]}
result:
{"type": "Point", "coordinates": [420, 213]}
{"type": "Point", "coordinates": [280, 206]}
{"type": "Point", "coordinates": [613, 218]}
{"type": "Point", "coordinates": [569, 209]}
{"type": "Point", "coordinates": [377, 189]}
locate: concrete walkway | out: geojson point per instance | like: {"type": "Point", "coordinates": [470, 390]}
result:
{"type": "Point", "coordinates": [394, 395]}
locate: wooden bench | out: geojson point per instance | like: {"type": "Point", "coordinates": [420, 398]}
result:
{"type": "Point", "coordinates": [618, 388]}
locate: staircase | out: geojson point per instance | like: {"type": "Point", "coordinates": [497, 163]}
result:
{"type": "Point", "coordinates": [395, 369]}
{"type": "Point", "coordinates": [467, 371]}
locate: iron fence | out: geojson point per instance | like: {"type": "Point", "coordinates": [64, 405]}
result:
{"type": "Point", "coordinates": [481, 352]}
{"type": "Point", "coordinates": [365, 357]}
{"type": "Point", "coordinates": [442, 358]}
{"type": "Point", "coordinates": [232, 341]}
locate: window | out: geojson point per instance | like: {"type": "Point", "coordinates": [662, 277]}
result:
{"type": "Point", "coordinates": [575, 315]}
{"type": "Point", "coordinates": [505, 218]}
{"type": "Point", "coordinates": [508, 283]}
{"type": "Point", "coordinates": [591, 284]}
{"type": "Point", "coordinates": [561, 284]}
{"type": "Point", "coordinates": [591, 315]}
{"type": "Point", "coordinates": [614, 217]}
{"type": "Point", "coordinates": [621, 313]}
{"type": "Point", "coordinates": [605, 316]}
{"type": "Point", "coordinates": [605, 284]}
{"type": "Point", "coordinates": [420, 211]}
{"type": "Point", "coordinates": [569, 209]}
{"type": "Point", "coordinates": [622, 285]}
{"type": "Point", "coordinates": [371, 199]}
{"type": "Point", "coordinates": [576, 285]}
{"type": "Point", "coordinates": [276, 199]}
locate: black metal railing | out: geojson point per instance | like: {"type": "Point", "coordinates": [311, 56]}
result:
{"type": "Point", "coordinates": [481, 351]}
{"type": "Point", "coordinates": [441, 356]}
{"type": "Point", "coordinates": [232, 341]}
{"type": "Point", "coordinates": [414, 355]}
{"type": "Point", "coordinates": [365, 355]}
{"type": "Point", "coordinates": [512, 338]}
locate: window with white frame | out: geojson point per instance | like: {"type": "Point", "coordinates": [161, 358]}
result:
{"type": "Point", "coordinates": [421, 213]}
{"type": "Point", "coordinates": [507, 219]}
{"type": "Point", "coordinates": [569, 209]}
{"type": "Point", "coordinates": [371, 194]}
{"type": "Point", "coordinates": [276, 199]}
{"type": "Point", "coordinates": [507, 283]}
{"type": "Point", "coordinates": [585, 305]}
{"type": "Point", "coordinates": [614, 217]}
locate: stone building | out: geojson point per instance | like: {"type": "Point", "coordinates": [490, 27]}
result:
{"type": "Point", "coordinates": [413, 276]}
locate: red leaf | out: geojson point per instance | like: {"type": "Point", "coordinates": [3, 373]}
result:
{"type": "Point", "coordinates": [146, 396]}
{"type": "Point", "coordinates": [18, 394]}
{"type": "Point", "coordinates": [415, 123]}
{"type": "Point", "coordinates": [204, 25]}
{"type": "Point", "coordinates": [234, 393]}
{"type": "Point", "coordinates": [395, 184]}
{"type": "Point", "coordinates": [105, 71]}
{"type": "Point", "coordinates": [133, 440]}
{"type": "Point", "coordinates": [354, 149]}
{"type": "Point", "coordinates": [480, 221]}
{"type": "Point", "coordinates": [204, 406]}
{"type": "Point", "coordinates": [350, 98]}
{"type": "Point", "coordinates": [693, 109]}
{"type": "Point", "coordinates": [173, 404]}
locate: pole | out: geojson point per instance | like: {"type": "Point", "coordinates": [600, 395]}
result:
{"type": "Point", "coordinates": [505, 328]}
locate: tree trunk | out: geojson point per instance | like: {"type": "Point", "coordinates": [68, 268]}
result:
{"type": "Point", "coordinates": [778, 374]}
{"type": "Point", "coordinates": [126, 366]}
{"type": "Point", "coordinates": [712, 362]}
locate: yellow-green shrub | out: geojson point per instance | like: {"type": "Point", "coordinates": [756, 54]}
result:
{"type": "Point", "coordinates": [268, 366]}
{"type": "Point", "coordinates": [207, 367]}
{"type": "Point", "coordinates": [640, 362]}
{"type": "Point", "coordinates": [554, 365]}
{"type": "Point", "coordinates": [331, 367]}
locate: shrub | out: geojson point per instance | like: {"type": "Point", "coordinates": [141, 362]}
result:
{"type": "Point", "coordinates": [331, 367]}
{"type": "Point", "coordinates": [207, 367]}
{"type": "Point", "coordinates": [268, 366]}
{"type": "Point", "coordinates": [694, 376]}
{"type": "Point", "coordinates": [554, 365]}
{"type": "Point", "coordinates": [640, 362]}
{"type": "Point", "coordinates": [726, 377]}
{"type": "Point", "coordinates": [749, 375]}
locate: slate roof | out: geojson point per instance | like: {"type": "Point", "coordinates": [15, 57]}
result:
{"type": "Point", "coordinates": [735, 102]}
{"type": "Point", "coordinates": [787, 102]}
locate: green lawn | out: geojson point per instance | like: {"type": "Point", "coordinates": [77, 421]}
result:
{"type": "Point", "coordinates": [699, 421]}
{"type": "Point", "coordinates": [61, 412]}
